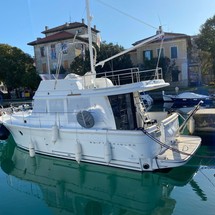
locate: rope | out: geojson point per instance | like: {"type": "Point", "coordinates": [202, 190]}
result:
{"type": "Point", "coordinates": [126, 14]}
{"type": "Point", "coordinates": [170, 147]}
{"type": "Point", "coordinates": [163, 144]}
{"type": "Point", "coordinates": [190, 115]}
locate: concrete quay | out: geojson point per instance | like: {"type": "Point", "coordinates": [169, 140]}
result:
{"type": "Point", "coordinates": [205, 120]}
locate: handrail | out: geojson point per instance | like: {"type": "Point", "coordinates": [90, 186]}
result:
{"type": "Point", "coordinates": [124, 76]}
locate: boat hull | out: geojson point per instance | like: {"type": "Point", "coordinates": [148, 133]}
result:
{"type": "Point", "coordinates": [118, 148]}
{"type": "Point", "coordinates": [191, 101]}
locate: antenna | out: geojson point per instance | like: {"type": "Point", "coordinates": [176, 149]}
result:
{"type": "Point", "coordinates": [159, 20]}
{"type": "Point", "coordinates": [70, 19]}
{"type": "Point", "coordinates": [89, 19]}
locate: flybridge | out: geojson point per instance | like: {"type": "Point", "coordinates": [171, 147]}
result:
{"type": "Point", "coordinates": [106, 83]}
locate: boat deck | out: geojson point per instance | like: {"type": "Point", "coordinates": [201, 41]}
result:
{"type": "Point", "coordinates": [184, 148]}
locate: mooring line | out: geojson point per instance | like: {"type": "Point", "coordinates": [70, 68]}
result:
{"type": "Point", "coordinates": [171, 147]}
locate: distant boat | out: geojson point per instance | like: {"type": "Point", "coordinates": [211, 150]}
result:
{"type": "Point", "coordinates": [99, 118]}
{"type": "Point", "coordinates": [187, 98]}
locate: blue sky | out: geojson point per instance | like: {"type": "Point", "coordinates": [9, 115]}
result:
{"type": "Point", "coordinates": [119, 21]}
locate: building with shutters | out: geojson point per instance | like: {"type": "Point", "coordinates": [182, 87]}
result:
{"type": "Point", "coordinates": [58, 42]}
{"type": "Point", "coordinates": [184, 68]}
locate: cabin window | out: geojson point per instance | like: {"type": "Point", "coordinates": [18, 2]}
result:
{"type": "Point", "coordinates": [40, 106]}
{"type": "Point", "coordinates": [124, 111]}
{"type": "Point", "coordinates": [74, 105]}
{"type": "Point", "coordinates": [71, 110]}
{"type": "Point", "coordinates": [56, 106]}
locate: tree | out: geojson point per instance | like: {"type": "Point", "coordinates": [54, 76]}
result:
{"type": "Point", "coordinates": [169, 68]}
{"type": "Point", "coordinates": [81, 64]}
{"type": "Point", "coordinates": [108, 50]}
{"type": "Point", "coordinates": [16, 68]}
{"type": "Point", "coordinates": [206, 62]}
{"type": "Point", "coordinates": [206, 39]}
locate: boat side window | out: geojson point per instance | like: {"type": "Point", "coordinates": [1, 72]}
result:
{"type": "Point", "coordinates": [74, 105]}
{"type": "Point", "coordinates": [40, 106]}
{"type": "Point", "coordinates": [56, 106]}
{"type": "Point", "coordinates": [123, 111]}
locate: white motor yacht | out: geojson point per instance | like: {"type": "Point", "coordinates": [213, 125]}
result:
{"type": "Point", "coordinates": [99, 118]}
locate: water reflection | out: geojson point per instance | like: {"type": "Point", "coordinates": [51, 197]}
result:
{"type": "Point", "coordinates": [69, 188]}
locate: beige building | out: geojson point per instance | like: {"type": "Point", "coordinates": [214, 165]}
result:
{"type": "Point", "coordinates": [177, 48]}
{"type": "Point", "coordinates": [61, 43]}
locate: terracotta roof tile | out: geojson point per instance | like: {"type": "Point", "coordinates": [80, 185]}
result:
{"type": "Point", "coordinates": [55, 37]}
{"type": "Point", "coordinates": [167, 36]}
{"type": "Point", "coordinates": [67, 26]}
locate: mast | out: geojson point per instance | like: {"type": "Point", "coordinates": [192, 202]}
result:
{"type": "Point", "coordinates": [89, 18]}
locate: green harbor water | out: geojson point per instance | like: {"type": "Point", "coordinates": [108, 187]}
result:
{"type": "Point", "coordinates": [44, 185]}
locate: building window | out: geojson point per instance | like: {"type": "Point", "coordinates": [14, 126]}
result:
{"type": "Point", "coordinates": [162, 52]}
{"type": "Point", "coordinates": [42, 51]}
{"type": "Point", "coordinates": [54, 66]}
{"type": "Point", "coordinates": [66, 64]}
{"type": "Point", "coordinates": [53, 52]}
{"type": "Point", "coordinates": [174, 52]}
{"type": "Point", "coordinates": [147, 55]}
{"type": "Point", "coordinates": [44, 68]}
{"type": "Point", "coordinates": [64, 48]}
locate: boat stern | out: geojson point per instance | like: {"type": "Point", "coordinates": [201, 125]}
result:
{"type": "Point", "coordinates": [180, 152]}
